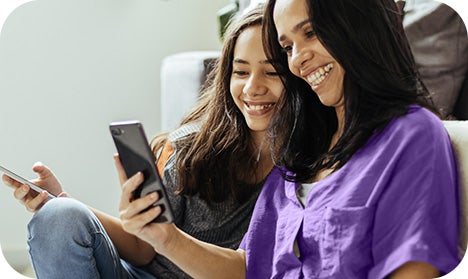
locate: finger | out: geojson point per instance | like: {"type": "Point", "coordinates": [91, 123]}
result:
{"type": "Point", "coordinates": [11, 182]}
{"type": "Point", "coordinates": [42, 170]}
{"type": "Point", "coordinates": [149, 215]}
{"type": "Point", "coordinates": [137, 206]}
{"type": "Point", "coordinates": [36, 203]}
{"type": "Point", "coordinates": [22, 193]}
{"type": "Point", "coordinates": [128, 188]}
{"type": "Point", "coordinates": [131, 184]}
{"type": "Point", "coordinates": [120, 169]}
{"type": "Point", "coordinates": [137, 223]}
{"type": "Point", "coordinates": [64, 195]}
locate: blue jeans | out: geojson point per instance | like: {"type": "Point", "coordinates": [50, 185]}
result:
{"type": "Point", "coordinates": [66, 240]}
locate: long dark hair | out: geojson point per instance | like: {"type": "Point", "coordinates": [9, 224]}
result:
{"type": "Point", "coordinates": [367, 38]}
{"type": "Point", "coordinates": [217, 161]}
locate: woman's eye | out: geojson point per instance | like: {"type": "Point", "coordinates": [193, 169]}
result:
{"type": "Point", "coordinates": [287, 49]}
{"type": "Point", "coordinates": [310, 34]}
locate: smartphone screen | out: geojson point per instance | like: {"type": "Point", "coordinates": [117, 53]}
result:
{"type": "Point", "coordinates": [24, 181]}
{"type": "Point", "coordinates": [135, 155]}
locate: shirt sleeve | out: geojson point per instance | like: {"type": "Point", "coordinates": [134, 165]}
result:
{"type": "Point", "coordinates": [417, 215]}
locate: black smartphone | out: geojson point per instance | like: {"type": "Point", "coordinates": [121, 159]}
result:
{"type": "Point", "coordinates": [18, 178]}
{"type": "Point", "coordinates": [136, 155]}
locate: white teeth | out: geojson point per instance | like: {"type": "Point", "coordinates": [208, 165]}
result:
{"type": "Point", "coordinates": [260, 107]}
{"type": "Point", "coordinates": [319, 75]}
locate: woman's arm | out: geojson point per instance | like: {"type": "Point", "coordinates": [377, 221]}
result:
{"type": "Point", "coordinates": [415, 270]}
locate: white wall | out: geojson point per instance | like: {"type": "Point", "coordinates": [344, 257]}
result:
{"type": "Point", "coordinates": [67, 69]}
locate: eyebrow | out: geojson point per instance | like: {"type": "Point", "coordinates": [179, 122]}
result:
{"type": "Point", "coordinates": [242, 61]}
{"type": "Point", "coordinates": [295, 29]}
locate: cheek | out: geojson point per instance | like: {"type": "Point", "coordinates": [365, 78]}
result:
{"type": "Point", "coordinates": [234, 88]}
{"type": "Point", "coordinates": [293, 69]}
{"type": "Point", "coordinates": [278, 90]}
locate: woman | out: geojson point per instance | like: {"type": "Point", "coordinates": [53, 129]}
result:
{"type": "Point", "coordinates": [376, 189]}
{"type": "Point", "coordinates": [371, 188]}
{"type": "Point", "coordinates": [213, 167]}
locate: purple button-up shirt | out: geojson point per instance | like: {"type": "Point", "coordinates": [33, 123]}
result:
{"type": "Point", "coordinates": [396, 200]}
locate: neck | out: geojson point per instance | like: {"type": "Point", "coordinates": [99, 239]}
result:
{"type": "Point", "coordinates": [340, 117]}
{"type": "Point", "coordinates": [265, 164]}
{"type": "Point", "coordinates": [263, 155]}
{"type": "Point", "coordinates": [339, 130]}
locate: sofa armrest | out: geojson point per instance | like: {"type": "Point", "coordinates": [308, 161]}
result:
{"type": "Point", "coordinates": [182, 76]}
{"type": "Point", "coordinates": [458, 131]}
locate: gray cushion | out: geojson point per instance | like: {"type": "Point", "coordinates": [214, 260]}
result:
{"type": "Point", "coordinates": [439, 42]}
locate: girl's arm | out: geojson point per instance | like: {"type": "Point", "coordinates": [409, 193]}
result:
{"type": "Point", "coordinates": [197, 258]}
{"type": "Point", "coordinates": [204, 260]}
{"type": "Point", "coordinates": [130, 248]}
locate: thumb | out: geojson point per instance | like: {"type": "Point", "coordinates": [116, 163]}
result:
{"type": "Point", "coordinates": [42, 170]}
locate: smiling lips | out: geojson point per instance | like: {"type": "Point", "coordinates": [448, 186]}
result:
{"type": "Point", "coordinates": [258, 109]}
{"type": "Point", "coordinates": [319, 75]}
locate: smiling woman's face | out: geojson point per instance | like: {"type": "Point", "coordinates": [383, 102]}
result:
{"type": "Point", "coordinates": [307, 57]}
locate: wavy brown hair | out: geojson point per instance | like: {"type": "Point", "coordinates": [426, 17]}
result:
{"type": "Point", "coordinates": [217, 161]}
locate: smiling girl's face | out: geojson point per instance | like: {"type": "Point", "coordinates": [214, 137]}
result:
{"type": "Point", "coordinates": [255, 85]}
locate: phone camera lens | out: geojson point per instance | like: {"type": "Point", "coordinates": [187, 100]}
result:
{"type": "Point", "coordinates": [117, 132]}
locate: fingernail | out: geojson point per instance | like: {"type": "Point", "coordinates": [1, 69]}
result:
{"type": "Point", "coordinates": [153, 196]}
{"type": "Point", "coordinates": [24, 188]}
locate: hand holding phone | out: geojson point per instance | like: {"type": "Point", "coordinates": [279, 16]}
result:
{"type": "Point", "coordinates": [20, 179]}
{"type": "Point", "coordinates": [136, 155]}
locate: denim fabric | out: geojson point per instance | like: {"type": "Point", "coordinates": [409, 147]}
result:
{"type": "Point", "coordinates": [66, 240]}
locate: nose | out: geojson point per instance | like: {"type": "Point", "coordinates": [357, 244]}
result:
{"type": "Point", "coordinates": [300, 55]}
{"type": "Point", "coordinates": [254, 86]}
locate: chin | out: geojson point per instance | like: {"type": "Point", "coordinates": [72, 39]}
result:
{"type": "Point", "coordinates": [324, 100]}
{"type": "Point", "coordinates": [257, 128]}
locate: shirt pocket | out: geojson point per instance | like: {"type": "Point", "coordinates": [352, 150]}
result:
{"type": "Point", "coordinates": [346, 241]}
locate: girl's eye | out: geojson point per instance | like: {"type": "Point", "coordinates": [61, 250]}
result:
{"type": "Point", "coordinates": [240, 73]}
{"type": "Point", "coordinates": [272, 73]}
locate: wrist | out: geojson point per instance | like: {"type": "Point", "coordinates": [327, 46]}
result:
{"type": "Point", "coordinates": [170, 242]}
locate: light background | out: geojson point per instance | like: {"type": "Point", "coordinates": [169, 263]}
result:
{"type": "Point", "coordinates": [68, 68]}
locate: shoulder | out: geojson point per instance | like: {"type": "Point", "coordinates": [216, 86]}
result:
{"type": "Point", "coordinates": [183, 131]}
{"type": "Point", "coordinates": [418, 124]}
{"type": "Point", "coordinates": [418, 117]}
{"type": "Point", "coordinates": [417, 132]}
{"type": "Point", "coordinates": [167, 153]}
